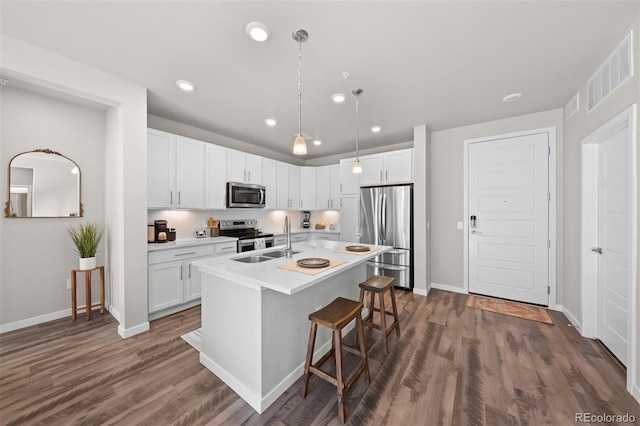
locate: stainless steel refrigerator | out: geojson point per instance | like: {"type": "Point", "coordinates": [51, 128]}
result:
{"type": "Point", "coordinates": [386, 218]}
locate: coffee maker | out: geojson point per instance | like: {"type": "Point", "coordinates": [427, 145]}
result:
{"type": "Point", "coordinates": [161, 231]}
{"type": "Point", "coordinates": [306, 219]}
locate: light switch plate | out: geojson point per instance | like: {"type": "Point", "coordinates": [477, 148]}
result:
{"type": "Point", "coordinates": [460, 225]}
{"type": "Point", "coordinates": [201, 233]}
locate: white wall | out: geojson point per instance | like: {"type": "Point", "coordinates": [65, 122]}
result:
{"type": "Point", "coordinates": [37, 253]}
{"type": "Point", "coordinates": [187, 222]}
{"type": "Point", "coordinates": [576, 129]}
{"type": "Point", "coordinates": [421, 209]}
{"type": "Point", "coordinates": [447, 186]}
{"type": "Point", "coordinates": [125, 194]}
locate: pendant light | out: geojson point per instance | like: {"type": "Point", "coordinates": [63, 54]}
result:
{"type": "Point", "coordinates": [299, 145]}
{"type": "Point", "coordinates": [357, 167]}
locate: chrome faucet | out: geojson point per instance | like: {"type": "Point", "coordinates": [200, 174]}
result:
{"type": "Point", "coordinates": [288, 251]}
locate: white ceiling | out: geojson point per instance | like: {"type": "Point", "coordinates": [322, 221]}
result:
{"type": "Point", "coordinates": [441, 63]}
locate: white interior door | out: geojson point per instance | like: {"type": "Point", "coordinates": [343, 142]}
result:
{"type": "Point", "coordinates": [613, 234]}
{"type": "Point", "coordinates": [508, 196]}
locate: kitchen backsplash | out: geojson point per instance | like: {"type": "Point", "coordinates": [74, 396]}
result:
{"type": "Point", "coordinates": [187, 222]}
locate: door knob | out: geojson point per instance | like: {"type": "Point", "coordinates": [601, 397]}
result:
{"type": "Point", "coordinates": [597, 250]}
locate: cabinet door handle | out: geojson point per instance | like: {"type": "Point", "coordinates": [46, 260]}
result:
{"type": "Point", "coordinates": [185, 254]}
{"type": "Point", "coordinates": [328, 203]}
{"type": "Point", "coordinates": [249, 176]}
{"type": "Point", "coordinates": [179, 197]}
{"type": "Point", "coordinates": [170, 197]}
{"type": "Point", "coordinates": [180, 272]}
{"type": "Point", "coordinates": [386, 175]}
{"type": "Point", "coordinates": [380, 175]}
{"type": "Point", "coordinates": [189, 270]}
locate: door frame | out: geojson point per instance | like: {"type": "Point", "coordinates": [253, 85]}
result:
{"type": "Point", "coordinates": [551, 133]}
{"type": "Point", "coordinates": [589, 231]}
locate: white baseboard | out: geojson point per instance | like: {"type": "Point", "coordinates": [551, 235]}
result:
{"type": "Point", "coordinates": [114, 312]}
{"type": "Point", "coordinates": [448, 287]}
{"type": "Point", "coordinates": [636, 392]}
{"type": "Point", "coordinates": [421, 291]}
{"type": "Point", "coordinates": [572, 319]}
{"type": "Point", "coordinates": [5, 328]}
{"type": "Point", "coordinates": [245, 393]}
{"type": "Point", "coordinates": [126, 333]}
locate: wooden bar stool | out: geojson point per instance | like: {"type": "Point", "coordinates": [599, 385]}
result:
{"type": "Point", "coordinates": [380, 285]}
{"type": "Point", "coordinates": [87, 284]}
{"type": "Point", "coordinates": [336, 316]}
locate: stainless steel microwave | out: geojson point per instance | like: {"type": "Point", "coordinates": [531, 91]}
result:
{"type": "Point", "coordinates": [245, 195]}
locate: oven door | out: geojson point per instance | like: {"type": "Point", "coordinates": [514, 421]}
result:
{"type": "Point", "coordinates": [245, 195]}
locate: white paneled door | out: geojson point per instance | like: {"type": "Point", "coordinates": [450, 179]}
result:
{"type": "Point", "coordinates": [508, 201]}
{"type": "Point", "coordinates": [613, 232]}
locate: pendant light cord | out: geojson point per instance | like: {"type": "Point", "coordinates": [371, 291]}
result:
{"type": "Point", "coordinates": [300, 88]}
{"type": "Point", "coordinates": [357, 125]}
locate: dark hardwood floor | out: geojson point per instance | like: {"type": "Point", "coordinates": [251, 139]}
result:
{"type": "Point", "coordinates": [452, 365]}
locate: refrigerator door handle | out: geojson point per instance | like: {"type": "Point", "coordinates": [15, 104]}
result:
{"type": "Point", "coordinates": [383, 216]}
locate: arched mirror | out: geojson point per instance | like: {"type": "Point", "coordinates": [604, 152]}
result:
{"type": "Point", "coordinates": [43, 183]}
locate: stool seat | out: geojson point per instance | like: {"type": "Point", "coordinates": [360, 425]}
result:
{"type": "Point", "coordinates": [378, 284]}
{"type": "Point", "coordinates": [335, 316]}
{"type": "Point", "coordinates": [337, 313]}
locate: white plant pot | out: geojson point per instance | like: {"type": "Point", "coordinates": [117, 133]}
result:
{"type": "Point", "coordinates": [87, 263]}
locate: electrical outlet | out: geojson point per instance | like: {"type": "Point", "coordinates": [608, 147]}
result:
{"type": "Point", "coordinates": [68, 283]}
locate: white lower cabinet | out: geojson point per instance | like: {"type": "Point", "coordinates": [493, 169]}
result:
{"type": "Point", "coordinates": [166, 288]}
{"type": "Point", "coordinates": [173, 280]}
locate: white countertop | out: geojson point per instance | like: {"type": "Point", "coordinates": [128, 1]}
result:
{"type": "Point", "coordinates": [188, 242]}
{"type": "Point", "coordinates": [266, 275]}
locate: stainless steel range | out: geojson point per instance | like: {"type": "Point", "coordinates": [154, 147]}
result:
{"type": "Point", "coordinates": [249, 238]}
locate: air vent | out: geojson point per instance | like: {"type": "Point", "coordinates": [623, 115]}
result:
{"type": "Point", "coordinates": [572, 106]}
{"type": "Point", "coordinates": [616, 70]}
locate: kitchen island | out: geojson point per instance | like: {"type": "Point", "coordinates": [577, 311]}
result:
{"type": "Point", "coordinates": [255, 316]}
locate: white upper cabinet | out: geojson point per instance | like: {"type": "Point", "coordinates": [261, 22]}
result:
{"type": "Point", "coordinates": [215, 177]}
{"type": "Point", "coordinates": [190, 173]}
{"type": "Point", "coordinates": [328, 187]}
{"type": "Point", "coordinates": [349, 181]}
{"type": "Point", "coordinates": [387, 168]}
{"type": "Point", "coordinates": [161, 169]}
{"type": "Point", "coordinates": [270, 182]}
{"type": "Point", "coordinates": [308, 188]}
{"type": "Point", "coordinates": [288, 183]}
{"type": "Point", "coordinates": [243, 167]}
{"type": "Point", "coordinates": [175, 171]}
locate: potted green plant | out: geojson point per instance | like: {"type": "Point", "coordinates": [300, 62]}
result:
{"type": "Point", "coordinates": [86, 238]}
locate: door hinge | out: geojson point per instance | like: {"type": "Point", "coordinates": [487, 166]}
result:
{"type": "Point", "coordinates": [549, 148]}
{"type": "Point", "coordinates": [549, 243]}
{"type": "Point", "coordinates": [549, 196]}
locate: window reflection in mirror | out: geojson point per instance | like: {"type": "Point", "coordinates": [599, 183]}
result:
{"type": "Point", "coordinates": [43, 183]}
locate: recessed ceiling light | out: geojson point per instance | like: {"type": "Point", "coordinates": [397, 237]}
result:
{"type": "Point", "coordinates": [270, 122]}
{"type": "Point", "coordinates": [317, 142]}
{"type": "Point", "coordinates": [376, 129]}
{"type": "Point", "coordinates": [185, 85]}
{"type": "Point", "coordinates": [338, 98]}
{"type": "Point", "coordinates": [512, 97]}
{"type": "Point", "coordinates": [258, 31]}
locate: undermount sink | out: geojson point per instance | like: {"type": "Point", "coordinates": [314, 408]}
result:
{"type": "Point", "coordinates": [252, 259]}
{"type": "Point", "coordinates": [278, 253]}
